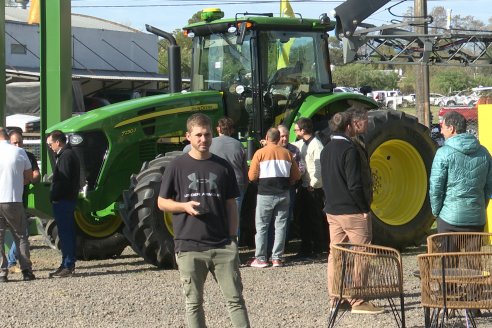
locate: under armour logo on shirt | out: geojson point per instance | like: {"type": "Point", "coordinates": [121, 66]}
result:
{"type": "Point", "coordinates": [195, 182]}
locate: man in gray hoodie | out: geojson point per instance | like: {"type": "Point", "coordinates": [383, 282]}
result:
{"type": "Point", "coordinates": [460, 180]}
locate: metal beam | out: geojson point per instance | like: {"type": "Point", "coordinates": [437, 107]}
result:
{"type": "Point", "coordinates": [393, 44]}
{"type": "Point", "coordinates": [473, 50]}
{"type": "Point", "coordinates": [55, 68]}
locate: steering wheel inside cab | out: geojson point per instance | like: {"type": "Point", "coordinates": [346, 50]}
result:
{"type": "Point", "coordinates": [281, 86]}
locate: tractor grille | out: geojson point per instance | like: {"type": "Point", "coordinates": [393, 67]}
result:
{"type": "Point", "coordinates": [147, 150]}
{"type": "Point", "coordinates": [91, 153]}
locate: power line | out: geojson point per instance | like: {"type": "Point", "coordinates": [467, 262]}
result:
{"type": "Point", "coordinates": [200, 3]}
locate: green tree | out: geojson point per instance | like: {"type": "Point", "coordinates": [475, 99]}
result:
{"type": "Point", "coordinates": [408, 81]}
{"type": "Point", "coordinates": [439, 20]}
{"type": "Point", "coordinates": [356, 75]}
{"type": "Point", "coordinates": [452, 79]}
{"type": "Point", "coordinates": [185, 44]}
{"type": "Point", "coordinates": [336, 51]}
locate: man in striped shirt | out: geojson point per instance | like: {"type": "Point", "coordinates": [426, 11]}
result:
{"type": "Point", "coordinates": [275, 169]}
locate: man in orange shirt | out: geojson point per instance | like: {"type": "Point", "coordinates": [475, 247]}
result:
{"type": "Point", "coordinates": [275, 169]}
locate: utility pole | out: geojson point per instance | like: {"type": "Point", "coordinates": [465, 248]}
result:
{"type": "Point", "coordinates": [422, 71]}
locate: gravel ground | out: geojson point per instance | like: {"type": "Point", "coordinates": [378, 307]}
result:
{"type": "Point", "coordinates": [126, 292]}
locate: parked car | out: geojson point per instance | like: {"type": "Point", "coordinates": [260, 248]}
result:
{"type": "Point", "coordinates": [391, 99]}
{"type": "Point", "coordinates": [435, 98]}
{"type": "Point", "coordinates": [464, 97]}
{"type": "Point", "coordinates": [409, 100]}
{"type": "Point", "coordinates": [27, 123]}
{"type": "Point", "coordinates": [450, 100]}
{"type": "Point", "coordinates": [346, 89]}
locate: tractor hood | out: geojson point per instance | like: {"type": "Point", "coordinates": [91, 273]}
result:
{"type": "Point", "coordinates": [143, 111]}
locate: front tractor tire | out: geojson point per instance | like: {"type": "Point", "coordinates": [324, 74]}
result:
{"type": "Point", "coordinates": [401, 152]}
{"type": "Point", "coordinates": [148, 229]}
{"type": "Point", "coordinates": [90, 248]}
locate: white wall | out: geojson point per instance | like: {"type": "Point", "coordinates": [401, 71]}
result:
{"type": "Point", "coordinates": [93, 39]}
{"type": "Point", "coordinates": [23, 34]}
{"type": "Point", "coordinates": [125, 42]}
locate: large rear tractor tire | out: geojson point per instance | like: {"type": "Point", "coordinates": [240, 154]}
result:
{"type": "Point", "coordinates": [401, 152]}
{"type": "Point", "coordinates": [148, 229]}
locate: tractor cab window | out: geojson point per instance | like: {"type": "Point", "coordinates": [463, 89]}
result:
{"type": "Point", "coordinates": [292, 65]}
{"type": "Point", "coordinates": [295, 59]}
{"type": "Point", "coordinates": [220, 63]}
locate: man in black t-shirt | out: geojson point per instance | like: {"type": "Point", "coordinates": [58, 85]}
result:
{"type": "Point", "coordinates": [200, 188]}
{"type": "Point", "coordinates": [347, 207]}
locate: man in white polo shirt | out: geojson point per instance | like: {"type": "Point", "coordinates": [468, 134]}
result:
{"type": "Point", "coordinates": [15, 171]}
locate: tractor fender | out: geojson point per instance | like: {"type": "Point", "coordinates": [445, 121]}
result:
{"type": "Point", "coordinates": [324, 106]}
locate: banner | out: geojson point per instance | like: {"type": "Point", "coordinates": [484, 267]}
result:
{"type": "Point", "coordinates": [283, 59]}
{"type": "Point", "coordinates": [286, 9]}
{"type": "Point", "coordinates": [34, 12]}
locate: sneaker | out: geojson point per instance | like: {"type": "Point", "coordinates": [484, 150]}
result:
{"type": "Point", "coordinates": [14, 269]}
{"type": "Point", "coordinates": [259, 264]}
{"type": "Point", "coordinates": [63, 273]}
{"type": "Point", "coordinates": [344, 306]}
{"type": "Point", "coordinates": [277, 263]}
{"type": "Point", "coordinates": [4, 279]}
{"type": "Point", "coordinates": [27, 275]}
{"type": "Point", "coordinates": [57, 271]}
{"type": "Point", "coordinates": [367, 308]}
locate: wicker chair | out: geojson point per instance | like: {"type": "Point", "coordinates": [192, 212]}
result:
{"type": "Point", "coordinates": [459, 281]}
{"type": "Point", "coordinates": [366, 272]}
{"type": "Point", "coordinates": [459, 242]}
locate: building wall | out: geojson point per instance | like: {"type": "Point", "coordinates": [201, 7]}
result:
{"type": "Point", "coordinates": [102, 49]}
{"type": "Point", "coordinates": [92, 49]}
{"type": "Point", "coordinates": [27, 35]}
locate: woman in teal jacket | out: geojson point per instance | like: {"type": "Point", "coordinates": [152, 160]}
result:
{"type": "Point", "coordinates": [461, 179]}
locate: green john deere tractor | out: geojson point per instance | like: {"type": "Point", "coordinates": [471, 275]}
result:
{"type": "Point", "coordinates": [261, 71]}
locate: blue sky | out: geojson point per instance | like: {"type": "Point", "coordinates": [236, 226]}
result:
{"type": "Point", "coordinates": [169, 15]}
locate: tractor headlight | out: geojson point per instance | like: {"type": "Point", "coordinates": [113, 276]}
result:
{"type": "Point", "coordinates": [75, 139]}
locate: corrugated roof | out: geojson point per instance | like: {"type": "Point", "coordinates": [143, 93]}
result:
{"type": "Point", "coordinates": [93, 74]}
{"type": "Point", "coordinates": [20, 15]}
{"type": "Point", "coordinates": [117, 75]}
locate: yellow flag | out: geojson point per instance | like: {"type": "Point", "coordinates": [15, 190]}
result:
{"type": "Point", "coordinates": [34, 12]}
{"type": "Point", "coordinates": [283, 58]}
{"type": "Point", "coordinates": [286, 9]}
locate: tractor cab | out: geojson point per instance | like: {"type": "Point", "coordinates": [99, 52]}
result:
{"type": "Point", "coordinates": [265, 66]}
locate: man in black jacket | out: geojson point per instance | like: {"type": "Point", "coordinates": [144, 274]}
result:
{"type": "Point", "coordinates": [347, 207]}
{"type": "Point", "coordinates": [64, 192]}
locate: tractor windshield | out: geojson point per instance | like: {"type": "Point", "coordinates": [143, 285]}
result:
{"type": "Point", "coordinates": [293, 64]}
{"type": "Point", "coordinates": [265, 78]}
{"type": "Point", "coordinates": [295, 60]}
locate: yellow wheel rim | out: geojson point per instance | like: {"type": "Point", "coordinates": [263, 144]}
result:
{"type": "Point", "coordinates": [99, 229]}
{"type": "Point", "coordinates": [168, 221]}
{"type": "Point", "coordinates": [400, 182]}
